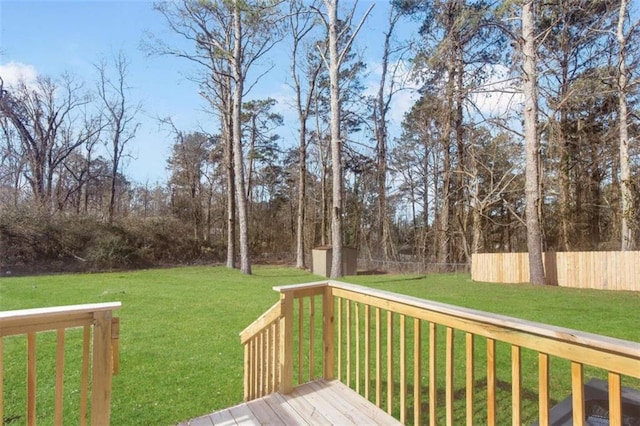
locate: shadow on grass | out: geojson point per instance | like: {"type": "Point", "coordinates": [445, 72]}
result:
{"type": "Point", "coordinates": [372, 272]}
{"type": "Point", "coordinates": [399, 280]}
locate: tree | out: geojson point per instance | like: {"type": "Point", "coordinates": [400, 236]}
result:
{"type": "Point", "coordinates": [418, 158]}
{"type": "Point", "coordinates": [492, 170]}
{"type": "Point", "coordinates": [12, 163]}
{"type": "Point", "coordinates": [250, 43]}
{"type": "Point", "coordinates": [628, 221]}
{"type": "Point", "coordinates": [47, 118]}
{"type": "Point", "coordinates": [333, 63]}
{"type": "Point", "coordinates": [258, 123]}
{"type": "Point", "coordinates": [119, 117]}
{"type": "Point", "coordinates": [230, 37]}
{"type": "Point", "coordinates": [352, 113]}
{"type": "Point", "coordinates": [571, 50]}
{"type": "Point", "coordinates": [589, 123]}
{"type": "Point", "coordinates": [301, 23]}
{"type": "Point", "coordinates": [386, 90]}
{"type": "Point", "coordinates": [336, 142]}
{"type": "Point", "coordinates": [532, 144]}
{"type": "Point", "coordinates": [187, 164]}
{"type": "Point", "coordinates": [459, 46]}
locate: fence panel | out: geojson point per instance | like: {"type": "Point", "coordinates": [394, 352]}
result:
{"type": "Point", "coordinates": [603, 270]}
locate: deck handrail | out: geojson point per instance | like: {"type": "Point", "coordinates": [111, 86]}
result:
{"type": "Point", "coordinates": [625, 349]}
{"type": "Point", "coordinates": [259, 324]}
{"type": "Point", "coordinates": [97, 318]}
{"type": "Point", "coordinates": [364, 362]}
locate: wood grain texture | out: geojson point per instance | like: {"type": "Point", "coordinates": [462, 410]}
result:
{"type": "Point", "coordinates": [616, 357]}
{"type": "Point", "coordinates": [602, 270]}
{"type": "Point", "coordinates": [321, 402]}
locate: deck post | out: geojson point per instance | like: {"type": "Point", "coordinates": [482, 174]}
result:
{"type": "Point", "coordinates": [286, 342]}
{"type": "Point", "coordinates": [328, 313]}
{"type": "Point", "coordinates": [102, 369]}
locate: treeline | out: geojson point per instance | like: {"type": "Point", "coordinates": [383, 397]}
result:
{"type": "Point", "coordinates": [450, 184]}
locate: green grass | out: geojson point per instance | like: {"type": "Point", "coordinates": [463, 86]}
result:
{"type": "Point", "coordinates": [180, 354]}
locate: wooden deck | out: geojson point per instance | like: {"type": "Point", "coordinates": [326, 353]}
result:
{"type": "Point", "coordinates": [316, 403]}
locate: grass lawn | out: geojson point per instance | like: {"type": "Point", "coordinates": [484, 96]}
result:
{"type": "Point", "coordinates": [180, 354]}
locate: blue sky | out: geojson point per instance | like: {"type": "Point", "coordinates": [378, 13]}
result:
{"type": "Point", "coordinates": [50, 37]}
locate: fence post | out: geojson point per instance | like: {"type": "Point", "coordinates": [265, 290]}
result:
{"type": "Point", "coordinates": [286, 342]}
{"type": "Point", "coordinates": [102, 369]}
{"type": "Point", "coordinates": [328, 313]}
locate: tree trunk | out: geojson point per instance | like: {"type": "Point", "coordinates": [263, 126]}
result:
{"type": "Point", "coordinates": [477, 205]}
{"type": "Point", "coordinates": [627, 223]}
{"type": "Point", "coordinates": [303, 115]}
{"type": "Point", "coordinates": [230, 175]}
{"type": "Point", "coordinates": [381, 134]}
{"type": "Point", "coordinates": [443, 222]}
{"type": "Point", "coordinates": [302, 190]}
{"type": "Point", "coordinates": [324, 203]}
{"type": "Point", "coordinates": [460, 200]}
{"type": "Point", "coordinates": [114, 175]}
{"type": "Point", "coordinates": [322, 155]}
{"type": "Point", "coordinates": [245, 263]}
{"type": "Point", "coordinates": [566, 153]}
{"type": "Point", "coordinates": [207, 231]}
{"type": "Point", "coordinates": [437, 195]}
{"type": "Point", "coordinates": [532, 146]}
{"type": "Point", "coordinates": [336, 143]}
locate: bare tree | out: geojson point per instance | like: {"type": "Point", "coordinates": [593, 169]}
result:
{"type": "Point", "coordinates": [199, 23]}
{"type": "Point", "coordinates": [259, 122]}
{"type": "Point", "coordinates": [301, 23]}
{"type": "Point", "coordinates": [491, 173]}
{"type": "Point", "coordinates": [627, 224]}
{"type": "Point", "coordinates": [230, 38]}
{"type": "Point", "coordinates": [386, 90]}
{"type": "Point", "coordinates": [255, 33]}
{"type": "Point", "coordinates": [187, 163]}
{"type": "Point", "coordinates": [532, 144]}
{"type": "Point", "coordinates": [11, 162]}
{"type": "Point", "coordinates": [120, 116]}
{"type": "Point", "coordinates": [333, 63]}
{"type": "Point", "coordinates": [52, 121]}
{"type": "Point", "coordinates": [572, 49]}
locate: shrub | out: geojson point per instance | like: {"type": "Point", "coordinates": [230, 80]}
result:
{"type": "Point", "coordinates": [31, 243]}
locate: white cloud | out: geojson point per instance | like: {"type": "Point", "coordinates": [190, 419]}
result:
{"type": "Point", "coordinates": [498, 96]}
{"type": "Point", "coordinates": [14, 72]}
{"type": "Point", "coordinates": [403, 99]}
{"type": "Point", "coordinates": [401, 103]}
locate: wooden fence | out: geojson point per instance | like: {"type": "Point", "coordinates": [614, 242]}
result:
{"type": "Point", "coordinates": [603, 270]}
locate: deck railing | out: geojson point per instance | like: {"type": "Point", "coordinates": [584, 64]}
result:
{"type": "Point", "coordinates": [99, 355]}
{"type": "Point", "coordinates": [403, 354]}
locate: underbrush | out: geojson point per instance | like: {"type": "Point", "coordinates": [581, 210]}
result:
{"type": "Point", "coordinates": [33, 243]}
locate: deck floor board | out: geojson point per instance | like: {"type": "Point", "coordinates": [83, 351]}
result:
{"type": "Point", "coordinates": [320, 402]}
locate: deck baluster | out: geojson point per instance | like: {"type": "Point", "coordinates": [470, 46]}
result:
{"type": "Point", "coordinates": [417, 371]}
{"type": "Point", "coordinates": [470, 379]}
{"type": "Point", "coordinates": [577, 394]}
{"type": "Point", "coordinates": [615, 397]}
{"type": "Point", "coordinates": [491, 382]}
{"type": "Point", "coordinates": [516, 385]}
{"type": "Point", "coordinates": [33, 323]}
{"type": "Point", "coordinates": [353, 304]}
